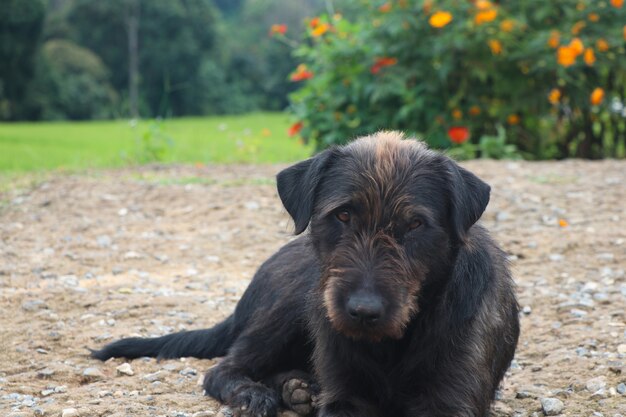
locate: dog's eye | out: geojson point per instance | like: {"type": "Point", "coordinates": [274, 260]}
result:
{"type": "Point", "coordinates": [415, 224]}
{"type": "Point", "coordinates": [343, 216]}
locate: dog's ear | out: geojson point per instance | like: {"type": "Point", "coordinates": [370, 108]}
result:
{"type": "Point", "coordinates": [296, 188]}
{"type": "Point", "coordinates": [470, 196]}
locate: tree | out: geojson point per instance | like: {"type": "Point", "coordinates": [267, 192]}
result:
{"type": "Point", "coordinates": [21, 23]}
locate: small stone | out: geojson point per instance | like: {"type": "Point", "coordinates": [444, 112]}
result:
{"type": "Point", "coordinates": [188, 371]}
{"type": "Point", "coordinates": [621, 349]}
{"type": "Point", "coordinates": [551, 406]}
{"type": "Point", "coordinates": [621, 388]}
{"type": "Point", "coordinates": [125, 369]}
{"type": "Point", "coordinates": [156, 376]}
{"type": "Point", "coordinates": [103, 241]}
{"type": "Point", "coordinates": [225, 412]}
{"type": "Point", "coordinates": [42, 351]}
{"type": "Point", "coordinates": [555, 257]}
{"type": "Point", "coordinates": [33, 305]}
{"type": "Point", "coordinates": [527, 310]}
{"type": "Point", "coordinates": [60, 389]}
{"type": "Point", "coordinates": [252, 205]}
{"type": "Point", "coordinates": [45, 373]}
{"type": "Point", "coordinates": [595, 384]}
{"type": "Point", "coordinates": [39, 411]}
{"type": "Point", "coordinates": [69, 412]}
{"type": "Point", "coordinates": [47, 392]}
{"type": "Point", "coordinates": [203, 414]}
{"type": "Point", "coordinates": [93, 374]}
{"type": "Point", "coordinates": [599, 394]}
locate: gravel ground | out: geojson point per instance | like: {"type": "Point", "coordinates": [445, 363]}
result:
{"type": "Point", "coordinates": [85, 259]}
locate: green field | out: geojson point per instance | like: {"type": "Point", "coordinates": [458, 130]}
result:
{"type": "Point", "coordinates": [252, 138]}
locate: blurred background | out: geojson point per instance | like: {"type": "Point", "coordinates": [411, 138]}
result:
{"type": "Point", "coordinates": [107, 83]}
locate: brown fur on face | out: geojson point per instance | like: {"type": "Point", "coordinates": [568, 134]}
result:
{"type": "Point", "coordinates": [375, 182]}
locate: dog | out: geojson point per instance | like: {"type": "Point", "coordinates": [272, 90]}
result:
{"type": "Point", "coordinates": [396, 303]}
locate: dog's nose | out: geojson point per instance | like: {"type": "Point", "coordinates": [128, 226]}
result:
{"type": "Point", "coordinates": [365, 308]}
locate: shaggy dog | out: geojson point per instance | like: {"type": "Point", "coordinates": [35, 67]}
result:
{"type": "Point", "coordinates": [395, 304]}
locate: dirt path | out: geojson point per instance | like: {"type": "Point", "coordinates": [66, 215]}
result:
{"type": "Point", "coordinates": [86, 259]}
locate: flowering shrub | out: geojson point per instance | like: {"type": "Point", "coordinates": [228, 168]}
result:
{"type": "Point", "coordinates": [551, 73]}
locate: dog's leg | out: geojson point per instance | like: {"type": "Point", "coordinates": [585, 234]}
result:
{"type": "Point", "coordinates": [298, 390]}
{"type": "Point", "coordinates": [271, 343]}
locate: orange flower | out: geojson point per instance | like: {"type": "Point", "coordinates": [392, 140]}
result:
{"type": "Point", "coordinates": [314, 22]}
{"type": "Point", "coordinates": [597, 96]}
{"type": "Point", "coordinates": [295, 129]}
{"type": "Point", "coordinates": [565, 56]}
{"type": "Point", "coordinates": [457, 114]}
{"type": "Point", "coordinates": [554, 97]}
{"type": "Point", "coordinates": [563, 223]}
{"type": "Point", "coordinates": [577, 46]}
{"type": "Point", "coordinates": [440, 19]}
{"type": "Point", "coordinates": [495, 46]}
{"type": "Point", "coordinates": [458, 134]}
{"type": "Point", "coordinates": [483, 4]}
{"type": "Point", "coordinates": [278, 29]}
{"type": "Point", "coordinates": [593, 17]}
{"type": "Point", "coordinates": [617, 3]}
{"type": "Point", "coordinates": [513, 119]}
{"type": "Point", "coordinates": [485, 16]}
{"type": "Point", "coordinates": [554, 39]}
{"type": "Point", "coordinates": [320, 30]}
{"type": "Point", "coordinates": [474, 111]}
{"type": "Point", "coordinates": [578, 26]}
{"type": "Point", "coordinates": [382, 62]}
{"type": "Point", "coordinates": [302, 73]}
{"type": "Point", "coordinates": [589, 57]}
{"type": "Point", "coordinates": [507, 25]}
{"type": "Point", "coordinates": [385, 8]}
{"type": "Point", "coordinates": [602, 45]}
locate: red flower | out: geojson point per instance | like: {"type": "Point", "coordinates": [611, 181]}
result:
{"type": "Point", "coordinates": [458, 134]}
{"type": "Point", "coordinates": [302, 73]}
{"type": "Point", "coordinates": [315, 22]}
{"type": "Point", "coordinates": [295, 129]}
{"type": "Point", "coordinates": [282, 29]}
{"type": "Point", "coordinates": [381, 63]}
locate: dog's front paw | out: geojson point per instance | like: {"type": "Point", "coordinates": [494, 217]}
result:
{"type": "Point", "coordinates": [299, 396]}
{"type": "Point", "coordinates": [254, 400]}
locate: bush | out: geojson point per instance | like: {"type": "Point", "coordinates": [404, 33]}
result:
{"type": "Point", "coordinates": [552, 73]}
{"type": "Point", "coordinates": [70, 83]}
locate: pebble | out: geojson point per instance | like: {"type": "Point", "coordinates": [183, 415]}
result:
{"type": "Point", "coordinates": [45, 373]}
{"type": "Point", "coordinates": [33, 305]}
{"type": "Point", "coordinates": [93, 374]}
{"type": "Point", "coordinates": [69, 412]}
{"type": "Point", "coordinates": [621, 388]}
{"type": "Point", "coordinates": [203, 414]}
{"type": "Point", "coordinates": [188, 371]}
{"type": "Point", "coordinates": [596, 384]}
{"type": "Point", "coordinates": [551, 406]}
{"type": "Point", "coordinates": [156, 376]}
{"type": "Point", "coordinates": [125, 369]}
{"type": "Point", "coordinates": [527, 310]}
{"type": "Point", "coordinates": [621, 349]}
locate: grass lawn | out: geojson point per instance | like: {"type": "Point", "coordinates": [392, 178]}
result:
{"type": "Point", "coordinates": [252, 138]}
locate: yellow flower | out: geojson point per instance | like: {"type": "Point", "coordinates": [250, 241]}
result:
{"type": "Point", "coordinates": [495, 46]}
{"type": "Point", "coordinates": [597, 96]}
{"type": "Point", "coordinates": [457, 114]}
{"type": "Point", "coordinates": [513, 119]}
{"type": "Point", "coordinates": [589, 57]}
{"type": "Point", "coordinates": [566, 56]}
{"type": "Point", "coordinates": [320, 30]}
{"type": "Point", "coordinates": [554, 39]}
{"type": "Point", "coordinates": [602, 45]}
{"type": "Point", "coordinates": [485, 16]}
{"type": "Point", "coordinates": [474, 111]}
{"type": "Point", "coordinates": [554, 97]}
{"type": "Point", "coordinates": [578, 26]}
{"type": "Point", "coordinates": [617, 3]}
{"type": "Point", "coordinates": [440, 19]}
{"type": "Point", "coordinates": [593, 17]}
{"type": "Point", "coordinates": [507, 25]}
{"type": "Point", "coordinates": [577, 46]}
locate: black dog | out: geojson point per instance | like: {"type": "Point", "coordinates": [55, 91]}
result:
{"type": "Point", "coordinates": [395, 304]}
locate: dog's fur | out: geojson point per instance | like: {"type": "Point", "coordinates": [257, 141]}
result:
{"type": "Point", "coordinates": [395, 303]}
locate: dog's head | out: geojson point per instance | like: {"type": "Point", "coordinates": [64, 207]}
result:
{"type": "Point", "coordinates": [385, 214]}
